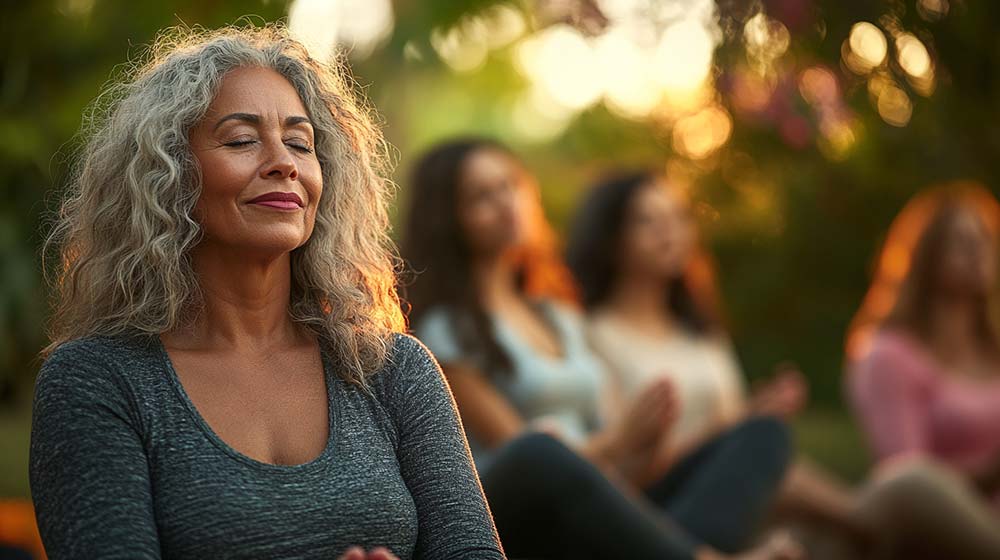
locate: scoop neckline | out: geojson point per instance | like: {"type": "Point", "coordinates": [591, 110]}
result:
{"type": "Point", "coordinates": [210, 433]}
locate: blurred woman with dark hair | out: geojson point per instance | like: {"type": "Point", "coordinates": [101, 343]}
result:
{"type": "Point", "coordinates": [649, 290]}
{"type": "Point", "coordinates": [924, 361]}
{"type": "Point", "coordinates": [653, 313]}
{"type": "Point", "coordinates": [493, 302]}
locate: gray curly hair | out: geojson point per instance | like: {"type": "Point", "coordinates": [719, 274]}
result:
{"type": "Point", "coordinates": [125, 229]}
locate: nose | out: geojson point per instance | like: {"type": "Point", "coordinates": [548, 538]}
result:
{"type": "Point", "coordinates": [280, 164]}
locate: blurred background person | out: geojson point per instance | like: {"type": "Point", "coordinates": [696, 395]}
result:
{"type": "Point", "coordinates": [653, 313]}
{"type": "Point", "coordinates": [649, 290]}
{"type": "Point", "coordinates": [493, 302]}
{"type": "Point", "coordinates": [924, 368]}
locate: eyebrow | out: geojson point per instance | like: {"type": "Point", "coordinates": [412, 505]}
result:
{"type": "Point", "coordinates": [255, 119]}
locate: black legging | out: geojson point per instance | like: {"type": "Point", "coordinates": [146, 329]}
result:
{"type": "Point", "coordinates": [548, 502]}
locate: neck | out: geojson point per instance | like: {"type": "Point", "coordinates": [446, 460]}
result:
{"type": "Point", "coordinates": [641, 299]}
{"type": "Point", "coordinates": [495, 278]}
{"type": "Point", "coordinates": [245, 300]}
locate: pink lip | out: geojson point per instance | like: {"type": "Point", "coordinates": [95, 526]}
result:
{"type": "Point", "coordinates": [279, 200]}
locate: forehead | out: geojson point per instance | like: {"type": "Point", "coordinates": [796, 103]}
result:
{"type": "Point", "coordinates": [486, 165]}
{"type": "Point", "coordinates": [966, 222]}
{"type": "Point", "coordinates": [657, 195]}
{"type": "Point", "coordinates": [256, 90]}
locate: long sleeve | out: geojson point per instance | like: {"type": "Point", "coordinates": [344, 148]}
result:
{"type": "Point", "coordinates": [889, 390]}
{"type": "Point", "coordinates": [88, 469]}
{"type": "Point", "coordinates": [453, 517]}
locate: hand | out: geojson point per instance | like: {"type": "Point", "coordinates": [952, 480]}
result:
{"type": "Point", "coordinates": [784, 395]}
{"type": "Point", "coordinates": [780, 546]}
{"type": "Point", "coordinates": [358, 553]}
{"type": "Point", "coordinates": [649, 416]}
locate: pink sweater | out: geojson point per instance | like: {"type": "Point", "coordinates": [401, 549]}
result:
{"type": "Point", "coordinates": [908, 404]}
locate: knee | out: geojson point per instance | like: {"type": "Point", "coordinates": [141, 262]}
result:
{"type": "Point", "coordinates": [903, 486]}
{"type": "Point", "coordinates": [768, 438]}
{"type": "Point", "coordinates": [556, 464]}
{"type": "Point", "coordinates": [914, 475]}
{"type": "Point", "coordinates": [541, 462]}
{"type": "Point", "coordinates": [535, 450]}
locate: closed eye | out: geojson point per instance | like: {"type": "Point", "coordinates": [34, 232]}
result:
{"type": "Point", "coordinates": [298, 143]}
{"type": "Point", "coordinates": [238, 143]}
{"type": "Point", "coordinates": [300, 147]}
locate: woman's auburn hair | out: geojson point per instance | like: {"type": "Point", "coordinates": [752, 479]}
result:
{"type": "Point", "coordinates": [902, 283]}
{"type": "Point", "coordinates": [125, 230]}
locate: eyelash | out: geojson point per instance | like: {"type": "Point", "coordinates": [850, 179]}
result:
{"type": "Point", "coordinates": [239, 143]}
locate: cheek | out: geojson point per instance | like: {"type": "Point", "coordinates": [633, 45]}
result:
{"type": "Point", "coordinates": [685, 243]}
{"type": "Point", "coordinates": [311, 177]}
{"type": "Point", "coordinates": [637, 246]}
{"type": "Point", "coordinates": [468, 222]}
{"type": "Point", "coordinates": [483, 227]}
{"type": "Point", "coordinates": [481, 219]}
{"type": "Point", "coordinates": [220, 185]}
{"type": "Point", "coordinates": [314, 190]}
{"type": "Point", "coordinates": [222, 178]}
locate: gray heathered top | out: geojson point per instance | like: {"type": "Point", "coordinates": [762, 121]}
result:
{"type": "Point", "coordinates": [123, 466]}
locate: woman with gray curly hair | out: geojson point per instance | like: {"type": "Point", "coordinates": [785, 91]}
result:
{"type": "Point", "coordinates": [227, 376]}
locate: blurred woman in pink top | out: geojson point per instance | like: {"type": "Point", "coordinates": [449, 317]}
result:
{"type": "Point", "coordinates": [924, 356]}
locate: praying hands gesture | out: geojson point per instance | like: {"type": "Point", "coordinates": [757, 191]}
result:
{"type": "Point", "coordinates": [784, 395]}
{"type": "Point", "coordinates": [649, 416]}
{"type": "Point", "coordinates": [630, 442]}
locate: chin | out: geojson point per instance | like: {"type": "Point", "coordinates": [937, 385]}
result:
{"type": "Point", "coordinates": [667, 269]}
{"type": "Point", "coordinates": [278, 242]}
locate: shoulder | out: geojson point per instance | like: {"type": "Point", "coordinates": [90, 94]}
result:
{"type": "Point", "coordinates": [895, 356]}
{"type": "Point", "coordinates": [893, 346]}
{"type": "Point", "coordinates": [408, 351]}
{"type": "Point", "coordinates": [716, 343]}
{"type": "Point", "coordinates": [606, 338]}
{"type": "Point", "coordinates": [893, 342]}
{"type": "Point", "coordinates": [90, 376]}
{"type": "Point", "coordinates": [409, 366]}
{"type": "Point", "coordinates": [95, 358]}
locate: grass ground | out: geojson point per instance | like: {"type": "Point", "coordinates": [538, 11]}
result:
{"type": "Point", "coordinates": [831, 438]}
{"type": "Point", "coordinates": [15, 429]}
